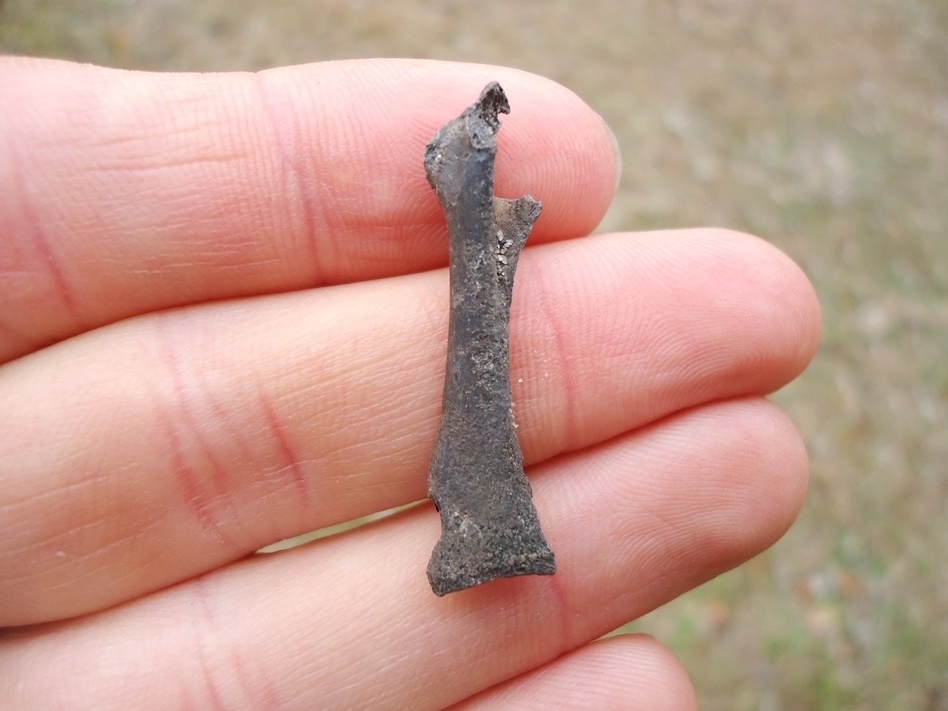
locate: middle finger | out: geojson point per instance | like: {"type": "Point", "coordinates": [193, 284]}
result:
{"type": "Point", "coordinates": [153, 450]}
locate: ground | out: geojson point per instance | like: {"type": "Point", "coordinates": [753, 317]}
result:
{"type": "Point", "coordinates": [820, 126]}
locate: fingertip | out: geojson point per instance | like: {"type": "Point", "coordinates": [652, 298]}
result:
{"type": "Point", "coordinates": [782, 487]}
{"type": "Point", "coordinates": [551, 146]}
{"type": "Point", "coordinates": [664, 678]}
{"type": "Point", "coordinates": [764, 288]}
{"type": "Point", "coordinates": [782, 286]}
{"type": "Point", "coordinates": [754, 500]}
{"type": "Point", "coordinates": [560, 151]}
{"type": "Point", "coordinates": [622, 672]}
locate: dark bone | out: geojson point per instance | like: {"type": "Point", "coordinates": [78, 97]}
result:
{"type": "Point", "coordinates": [489, 527]}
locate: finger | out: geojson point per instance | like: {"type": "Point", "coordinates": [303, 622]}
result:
{"type": "Point", "coordinates": [350, 622]}
{"type": "Point", "coordinates": [127, 192]}
{"type": "Point", "coordinates": [149, 452]}
{"type": "Point", "coordinates": [626, 672]}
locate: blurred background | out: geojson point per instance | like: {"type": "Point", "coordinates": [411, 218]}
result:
{"type": "Point", "coordinates": [820, 126]}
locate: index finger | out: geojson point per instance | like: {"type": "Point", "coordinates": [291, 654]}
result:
{"type": "Point", "coordinates": [128, 192]}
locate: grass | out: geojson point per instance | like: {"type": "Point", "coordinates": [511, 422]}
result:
{"type": "Point", "coordinates": [822, 127]}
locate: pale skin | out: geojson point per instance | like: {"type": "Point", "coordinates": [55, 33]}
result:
{"type": "Point", "coordinates": [222, 323]}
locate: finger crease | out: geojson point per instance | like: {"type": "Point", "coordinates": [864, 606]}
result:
{"type": "Point", "coordinates": [35, 234]}
{"type": "Point", "coordinates": [201, 502]}
{"type": "Point", "coordinates": [289, 459]}
{"type": "Point", "coordinates": [288, 151]}
{"type": "Point", "coordinates": [202, 634]}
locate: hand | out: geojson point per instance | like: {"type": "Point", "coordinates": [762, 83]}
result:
{"type": "Point", "coordinates": [217, 331]}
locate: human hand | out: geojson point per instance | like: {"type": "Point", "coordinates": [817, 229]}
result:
{"type": "Point", "coordinates": [217, 331]}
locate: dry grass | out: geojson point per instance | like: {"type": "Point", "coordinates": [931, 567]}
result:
{"type": "Point", "coordinates": [822, 126]}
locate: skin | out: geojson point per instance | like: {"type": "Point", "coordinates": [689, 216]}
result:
{"type": "Point", "coordinates": [222, 324]}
